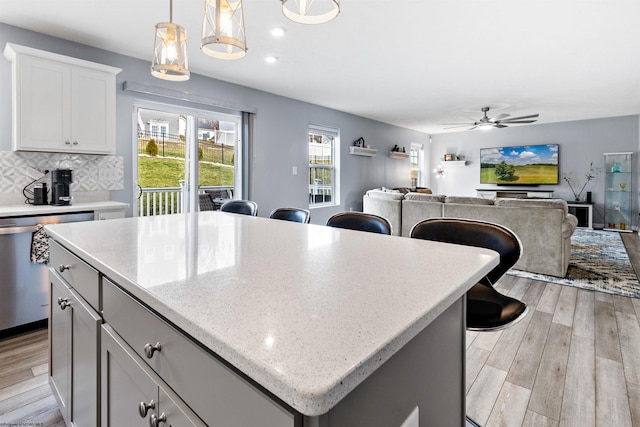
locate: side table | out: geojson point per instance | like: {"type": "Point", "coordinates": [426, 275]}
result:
{"type": "Point", "coordinates": [584, 213]}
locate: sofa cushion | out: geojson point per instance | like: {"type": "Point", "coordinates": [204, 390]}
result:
{"type": "Point", "coordinates": [387, 195]}
{"type": "Point", "coordinates": [468, 200]}
{"type": "Point", "coordinates": [424, 197]}
{"type": "Point", "coordinates": [534, 203]}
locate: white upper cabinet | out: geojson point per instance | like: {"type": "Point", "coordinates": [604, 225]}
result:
{"type": "Point", "coordinates": [61, 104]}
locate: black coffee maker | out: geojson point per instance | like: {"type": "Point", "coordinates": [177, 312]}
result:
{"type": "Point", "coordinates": [61, 180]}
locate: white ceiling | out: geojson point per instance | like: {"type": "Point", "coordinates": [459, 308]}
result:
{"type": "Point", "coordinates": [413, 63]}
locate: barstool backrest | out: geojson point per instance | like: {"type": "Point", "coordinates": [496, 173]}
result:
{"type": "Point", "coordinates": [291, 214]}
{"type": "Point", "coordinates": [360, 221]}
{"type": "Point", "coordinates": [473, 233]}
{"type": "Point", "coordinates": [244, 207]}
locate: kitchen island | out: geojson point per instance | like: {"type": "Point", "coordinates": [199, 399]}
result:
{"type": "Point", "coordinates": [306, 325]}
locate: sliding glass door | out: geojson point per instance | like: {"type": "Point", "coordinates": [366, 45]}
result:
{"type": "Point", "coordinates": [182, 154]}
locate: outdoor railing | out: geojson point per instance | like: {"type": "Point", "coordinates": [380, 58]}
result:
{"type": "Point", "coordinates": [160, 201]}
{"type": "Point", "coordinates": [170, 145]}
{"type": "Point", "coordinates": [165, 201]}
{"type": "Point", "coordinates": [320, 194]}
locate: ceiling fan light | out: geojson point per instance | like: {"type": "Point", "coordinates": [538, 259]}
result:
{"type": "Point", "coordinates": [170, 60]}
{"type": "Point", "coordinates": [223, 33]}
{"type": "Point", "coordinates": [500, 121]}
{"type": "Point", "coordinates": [311, 11]}
{"type": "Point", "coordinates": [170, 51]}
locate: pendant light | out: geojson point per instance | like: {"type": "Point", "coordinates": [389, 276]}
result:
{"type": "Point", "coordinates": [311, 11]}
{"type": "Point", "coordinates": [223, 34]}
{"type": "Point", "coordinates": [170, 51]}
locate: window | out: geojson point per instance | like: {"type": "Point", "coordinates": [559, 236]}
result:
{"type": "Point", "coordinates": [323, 144]}
{"type": "Point", "coordinates": [183, 153]}
{"type": "Point", "coordinates": [415, 157]}
{"type": "Point", "coordinates": [158, 128]}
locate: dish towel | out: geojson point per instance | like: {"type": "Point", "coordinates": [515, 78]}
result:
{"type": "Point", "coordinates": [39, 246]}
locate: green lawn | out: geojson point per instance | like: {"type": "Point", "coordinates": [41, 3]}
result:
{"type": "Point", "coordinates": [158, 172]}
{"type": "Point", "coordinates": [530, 174]}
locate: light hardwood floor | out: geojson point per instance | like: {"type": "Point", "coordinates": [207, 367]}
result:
{"type": "Point", "coordinates": [25, 396]}
{"type": "Point", "coordinates": [573, 361]}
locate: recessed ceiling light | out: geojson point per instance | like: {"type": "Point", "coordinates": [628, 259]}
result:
{"type": "Point", "coordinates": [271, 59]}
{"type": "Point", "coordinates": [278, 32]}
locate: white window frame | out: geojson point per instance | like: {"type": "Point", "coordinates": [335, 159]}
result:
{"type": "Point", "coordinates": [419, 148]}
{"type": "Point", "coordinates": [334, 168]}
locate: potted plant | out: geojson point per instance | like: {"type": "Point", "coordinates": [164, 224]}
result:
{"type": "Point", "coordinates": [591, 174]}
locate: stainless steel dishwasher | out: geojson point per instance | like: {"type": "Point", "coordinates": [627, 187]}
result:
{"type": "Point", "coordinates": [24, 286]}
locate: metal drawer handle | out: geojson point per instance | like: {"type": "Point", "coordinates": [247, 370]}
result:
{"type": "Point", "coordinates": [63, 302]}
{"type": "Point", "coordinates": [150, 349]}
{"type": "Point", "coordinates": [155, 420]}
{"type": "Point", "coordinates": [67, 142]}
{"type": "Point", "coordinates": [63, 267]}
{"type": "Point", "coordinates": [144, 407]}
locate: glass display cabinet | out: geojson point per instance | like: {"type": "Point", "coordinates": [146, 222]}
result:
{"type": "Point", "coordinates": [617, 191]}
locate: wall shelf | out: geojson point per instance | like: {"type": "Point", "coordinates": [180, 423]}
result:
{"type": "Point", "coordinates": [398, 155]}
{"type": "Point", "coordinates": [360, 151]}
{"type": "Point", "coordinates": [454, 163]}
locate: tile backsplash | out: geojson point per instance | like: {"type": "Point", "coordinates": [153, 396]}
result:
{"type": "Point", "coordinates": [15, 172]}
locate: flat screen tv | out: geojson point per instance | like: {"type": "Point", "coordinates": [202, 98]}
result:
{"type": "Point", "coordinates": [519, 165]}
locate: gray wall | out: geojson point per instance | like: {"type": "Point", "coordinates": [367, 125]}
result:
{"type": "Point", "coordinates": [279, 133]}
{"type": "Point", "coordinates": [581, 142]}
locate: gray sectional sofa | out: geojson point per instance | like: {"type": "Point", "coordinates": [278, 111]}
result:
{"type": "Point", "coordinates": [544, 226]}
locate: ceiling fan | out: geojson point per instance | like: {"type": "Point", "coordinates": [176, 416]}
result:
{"type": "Point", "coordinates": [500, 121]}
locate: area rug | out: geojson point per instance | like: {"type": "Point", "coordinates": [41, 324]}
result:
{"type": "Point", "coordinates": [598, 262]}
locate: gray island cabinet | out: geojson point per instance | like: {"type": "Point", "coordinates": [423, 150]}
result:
{"type": "Point", "coordinates": [216, 319]}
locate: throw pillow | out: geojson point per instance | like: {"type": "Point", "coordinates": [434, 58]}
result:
{"type": "Point", "coordinates": [424, 190]}
{"type": "Point", "coordinates": [403, 190]}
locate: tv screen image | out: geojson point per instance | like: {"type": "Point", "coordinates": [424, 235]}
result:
{"type": "Point", "coordinates": [519, 165]}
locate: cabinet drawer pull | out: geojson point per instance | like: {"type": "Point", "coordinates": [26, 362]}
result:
{"type": "Point", "coordinates": [67, 142]}
{"type": "Point", "coordinates": [144, 407]}
{"type": "Point", "coordinates": [63, 302]}
{"type": "Point", "coordinates": [63, 267]}
{"type": "Point", "coordinates": [155, 420]}
{"type": "Point", "coordinates": [150, 349]}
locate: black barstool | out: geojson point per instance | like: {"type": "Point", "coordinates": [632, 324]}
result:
{"type": "Point", "coordinates": [291, 214]}
{"type": "Point", "coordinates": [360, 221]}
{"type": "Point", "coordinates": [244, 207]}
{"type": "Point", "coordinates": [487, 309]}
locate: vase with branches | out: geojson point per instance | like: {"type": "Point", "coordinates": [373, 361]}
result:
{"type": "Point", "coordinates": [590, 175]}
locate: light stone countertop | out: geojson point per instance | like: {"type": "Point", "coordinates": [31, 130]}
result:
{"type": "Point", "coordinates": [306, 311]}
{"type": "Point", "coordinates": [28, 210]}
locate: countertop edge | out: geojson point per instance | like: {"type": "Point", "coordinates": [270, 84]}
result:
{"type": "Point", "coordinates": [35, 210]}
